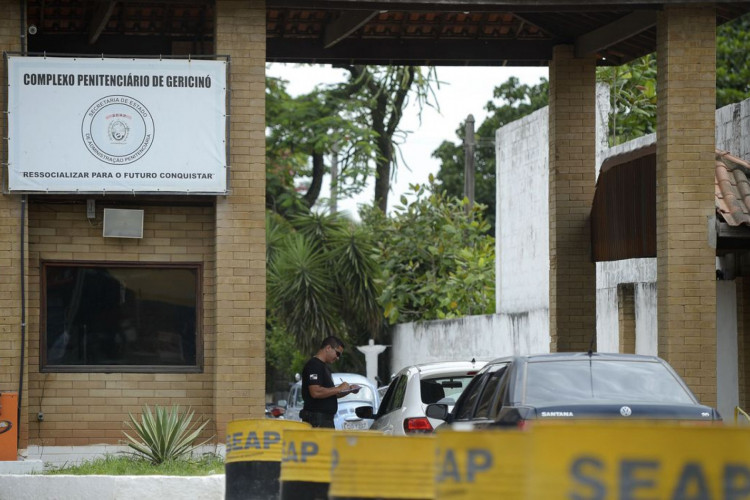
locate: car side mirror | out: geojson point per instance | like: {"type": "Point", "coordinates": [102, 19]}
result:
{"type": "Point", "coordinates": [437, 410]}
{"type": "Point", "coordinates": [364, 412]}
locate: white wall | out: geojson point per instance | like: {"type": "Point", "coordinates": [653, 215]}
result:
{"type": "Point", "coordinates": [727, 370]}
{"type": "Point", "coordinates": [481, 337]}
{"type": "Point", "coordinates": [521, 325]}
{"type": "Point", "coordinates": [522, 230]}
{"type": "Point", "coordinates": [64, 487]}
{"type": "Point", "coordinates": [733, 129]}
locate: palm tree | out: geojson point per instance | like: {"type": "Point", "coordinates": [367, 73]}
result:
{"type": "Point", "coordinates": [322, 279]}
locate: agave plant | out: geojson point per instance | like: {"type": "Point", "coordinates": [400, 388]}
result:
{"type": "Point", "coordinates": [165, 434]}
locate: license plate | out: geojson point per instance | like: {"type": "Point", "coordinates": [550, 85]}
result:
{"type": "Point", "coordinates": [356, 425]}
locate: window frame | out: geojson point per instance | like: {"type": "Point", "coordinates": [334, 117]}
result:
{"type": "Point", "coordinates": [44, 367]}
{"type": "Point", "coordinates": [388, 404]}
{"type": "Point", "coordinates": [494, 383]}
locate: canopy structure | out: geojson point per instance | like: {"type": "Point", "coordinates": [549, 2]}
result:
{"type": "Point", "coordinates": [416, 32]}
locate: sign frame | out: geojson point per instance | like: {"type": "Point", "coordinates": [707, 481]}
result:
{"type": "Point", "coordinates": [220, 184]}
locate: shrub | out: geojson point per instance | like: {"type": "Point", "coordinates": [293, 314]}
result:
{"type": "Point", "coordinates": [165, 434]}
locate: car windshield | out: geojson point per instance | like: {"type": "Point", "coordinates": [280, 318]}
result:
{"type": "Point", "coordinates": [602, 381]}
{"type": "Point", "coordinates": [443, 389]}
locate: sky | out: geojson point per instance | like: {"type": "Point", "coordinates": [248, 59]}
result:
{"type": "Point", "coordinates": [463, 90]}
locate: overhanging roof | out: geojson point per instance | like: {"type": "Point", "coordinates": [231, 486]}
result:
{"type": "Point", "coordinates": [464, 32]}
{"type": "Point", "coordinates": [623, 213]}
{"type": "Point", "coordinates": [434, 32]}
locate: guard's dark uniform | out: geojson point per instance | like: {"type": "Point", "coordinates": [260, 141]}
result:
{"type": "Point", "coordinates": [318, 412]}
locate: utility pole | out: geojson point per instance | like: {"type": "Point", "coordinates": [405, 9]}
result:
{"type": "Point", "coordinates": [469, 145]}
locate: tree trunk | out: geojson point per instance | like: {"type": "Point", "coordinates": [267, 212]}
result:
{"type": "Point", "coordinates": [316, 183]}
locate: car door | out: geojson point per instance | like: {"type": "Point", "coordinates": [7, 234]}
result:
{"type": "Point", "coordinates": [389, 417]}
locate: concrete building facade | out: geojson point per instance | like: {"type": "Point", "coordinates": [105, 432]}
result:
{"type": "Point", "coordinates": [220, 239]}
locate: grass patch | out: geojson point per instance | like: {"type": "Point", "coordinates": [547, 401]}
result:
{"type": "Point", "coordinates": [112, 465]}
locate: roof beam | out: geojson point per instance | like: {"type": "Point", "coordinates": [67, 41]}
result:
{"type": "Point", "coordinates": [613, 33]}
{"type": "Point", "coordinates": [100, 19]}
{"type": "Point", "coordinates": [347, 23]}
{"type": "Point", "coordinates": [413, 52]}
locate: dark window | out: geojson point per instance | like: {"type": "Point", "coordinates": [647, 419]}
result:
{"type": "Point", "coordinates": [502, 393]}
{"type": "Point", "coordinates": [394, 397]}
{"type": "Point", "coordinates": [120, 317]}
{"type": "Point", "coordinates": [616, 381]}
{"type": "Point", "coordinates": [466, 402]}
{"type": "Point", "coordinates": [489, 391]}
{"type": "Point", "coordinates": [443, 389]}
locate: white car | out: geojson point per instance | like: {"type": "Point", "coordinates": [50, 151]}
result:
{"type": "Point", "coordinates": [345, 418]}
{"type": "Point", "coordinates": [402, 410]}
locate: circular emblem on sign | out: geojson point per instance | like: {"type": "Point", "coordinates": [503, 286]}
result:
{"type": "Point", "coordinates": [625, 411]}
{"type": "Point", "coordinates": [117, 129]}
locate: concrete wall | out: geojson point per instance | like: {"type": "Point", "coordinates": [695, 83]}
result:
{"type": "Point", "coordinates": [522, 229]}
{"type": "Point", "coordinates": [522, 236]}
{"type": "Point", "coordinates": [733, 129]}
{"type": "Point", "coordinates": [521, 325]}
{"type": "Point", "coordinates": [727, 361]}
{"type": "Point", "coordinates": [63, 487]}
{"type": "Point", "coordinates": [481, 337]}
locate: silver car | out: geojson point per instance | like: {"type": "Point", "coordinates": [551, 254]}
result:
{"type": "Point", "coordinates": [402, 410]}
{"type": "Point", "coordinates": [345, 418]}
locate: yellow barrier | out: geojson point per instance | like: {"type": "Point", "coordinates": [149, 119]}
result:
{"type": "Point", "coordinates": [481, 464]}
{"type": "Point", "coordinates": [607, 460]}
{"type": "Point", "coordinates": [306, 464]}
{"type": "Point", "coordinates": [383, 467]}
{"type": "Point", "coordinates": [257, 439]}
{"type": "Point", "coordinates": [253, 457]}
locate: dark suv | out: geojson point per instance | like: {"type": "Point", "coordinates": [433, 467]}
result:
{"type": "Point", "coordinates": [512, 390]}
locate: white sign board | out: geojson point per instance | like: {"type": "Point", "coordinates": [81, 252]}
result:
{"type": "Point", "coordinates": [103, 125]}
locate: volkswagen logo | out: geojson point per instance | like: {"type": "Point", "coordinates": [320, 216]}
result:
{"type": "Point", "coordinates": [625, 411]}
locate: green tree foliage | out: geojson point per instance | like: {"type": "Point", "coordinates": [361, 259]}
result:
{"type": "Point", "coordinates": [632, 90]}
{"type": "Point", "coordinates": [321, 279]}
{"type": "Point", "coordinates": [283, 357]}
{"type": "Point", "coordinates": [512, 101]}
{"type": "Point", "coordinates": [633, 95]}
{"type": "Point", "coordinates": [437, 261]}
{"type": "Point", "coordinates": [301, 132]}
{"type": "Point", "coordinates": [378, 96]}
{"type": "Point", "coordinates": [359, 117]}
{"type": "Point", "coordinates": [732, 68]}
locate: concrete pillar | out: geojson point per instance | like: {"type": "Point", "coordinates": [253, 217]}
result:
{"type": "Point", "coordinates": [240, 279]}
{"type": "Point", "coordinates": [10, 242]}
{"type": "Point", "coordinates": [626, 317]}
{"type": "Point", "coordinates": [686, 83]}
{"type": "Point", "coordinates": [572, 177]}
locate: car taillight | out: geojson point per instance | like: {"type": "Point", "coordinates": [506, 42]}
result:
{"type": "Point", "coordinates": [419, 424]}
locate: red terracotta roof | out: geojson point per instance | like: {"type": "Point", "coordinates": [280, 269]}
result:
{"type": "Point", "coordinates": [732, 189]}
